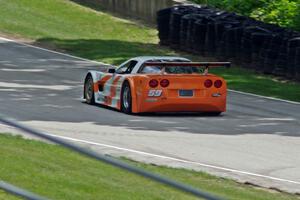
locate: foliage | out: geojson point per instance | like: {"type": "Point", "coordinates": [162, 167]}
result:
{"type": "Point", "coordinates": [244, 7]}
{"type": "Point", "coordinates": [297, 17]}
{"type": "Point", "coordinates": [282, 12]}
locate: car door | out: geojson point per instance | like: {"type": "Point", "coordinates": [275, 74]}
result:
{"type": "Point", "coordinates": [112, 88]}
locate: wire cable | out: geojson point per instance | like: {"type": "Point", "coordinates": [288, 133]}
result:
{"type": "Point", "coordinates": [19, 191]}
{"type": "Point", "coordinates": [112, 161]}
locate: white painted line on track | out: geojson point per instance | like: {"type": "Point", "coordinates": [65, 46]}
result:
{"type": "Point", "coordinates": [84, 59]}
{"type": "Point", "coordinates": [260, 96]}
{"type": "Point", "coordinates": [176, 159]}
{"type": "Point", "coordinates": [51, 51]}
{"type": "Point", "coordinates": [5, 39]}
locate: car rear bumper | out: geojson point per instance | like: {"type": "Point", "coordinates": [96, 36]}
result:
{"type": "Point", "coordinates": [187, 104]}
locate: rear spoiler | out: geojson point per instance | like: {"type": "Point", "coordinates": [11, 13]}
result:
{"type": "Point", "coordinates": [206, 65]}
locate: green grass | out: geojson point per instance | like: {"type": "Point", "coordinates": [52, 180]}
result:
{"type": "Point", "coordinates": [248, 81]}
{"type": "Point", "coordinates": [57, 173]}
{"type": "Point", "coordinates": [85, 31]}
{"type": "Point", "coordinates": [4, 196]}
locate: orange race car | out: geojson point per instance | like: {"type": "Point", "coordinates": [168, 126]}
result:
{"type": "Point", "coordinates": [158, 84]}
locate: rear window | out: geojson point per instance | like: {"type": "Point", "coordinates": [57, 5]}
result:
{"type": "Point", "coordinates": [171, 70]}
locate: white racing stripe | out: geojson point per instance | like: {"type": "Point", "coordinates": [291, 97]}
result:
{"type": "Point", "coordinates": [116, 98]}
{"type": "Point", "coordinates": [176, 159]}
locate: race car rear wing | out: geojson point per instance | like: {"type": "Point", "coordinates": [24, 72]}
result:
{"type": "Point", "coordinates": [205, 65]}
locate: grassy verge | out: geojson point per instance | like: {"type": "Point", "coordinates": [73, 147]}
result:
{"type": "Point", "coordinates": [57, 173]}
{"type": "Point", "coordinates": [84, 31]}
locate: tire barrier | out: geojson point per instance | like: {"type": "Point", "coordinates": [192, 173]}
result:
{"type": "Point", "coordinates": [293, 46]}
{"type": "Point", "coordinates": [252, 44]}
{"type": "Point", "coordinates": [175, 23]}
{"type": "Point", "coordinates": [297, 63]}
{"type": "Point", "coordinates": [163, 21]}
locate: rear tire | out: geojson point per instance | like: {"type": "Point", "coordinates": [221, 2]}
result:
{"type": "Point", "coordinates": [89, 90]}
{"type": "Point", "coordinates": [214, 113]}
{"type": "Point", "coordinates": [126, 99]}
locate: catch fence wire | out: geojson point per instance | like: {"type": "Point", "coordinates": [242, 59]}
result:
{"type": "Point", "coordinates": [114, 162]}
{"type": "Point", "coordinates": [19, 191]}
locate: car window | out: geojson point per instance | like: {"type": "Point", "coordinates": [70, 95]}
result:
{"type": "Point", "coordinates": [183, 70]}
{"type": "Point", "coordinates": [171, 70]}
{"type": "Point", "coordinates": [151, 70]}
{"type": "Point", "coordinates": [127, 67]}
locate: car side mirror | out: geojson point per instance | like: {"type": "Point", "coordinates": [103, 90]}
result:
{"type": "Point", "coordinates": [111, 70]}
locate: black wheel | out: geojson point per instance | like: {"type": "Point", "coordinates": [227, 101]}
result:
{"type": "Point", "coordinates": [89, 90]}
{"type": "Point", "coordinates": [214, 113]}
{"type": "Point", "coordinates": [126, 100]}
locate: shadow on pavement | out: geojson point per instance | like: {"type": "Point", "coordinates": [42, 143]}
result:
{"type": "Point", "coordinates": [37, 85]}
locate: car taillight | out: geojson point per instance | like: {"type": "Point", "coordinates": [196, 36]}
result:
{"type": "Point", "coordinates": [208, 83]}
{"type": "Point", "coordinates": [218, 83]}
{"type": "Point", "coordinates": [153, 83]}
{"type": "Point", "coordinates": [164, 83]}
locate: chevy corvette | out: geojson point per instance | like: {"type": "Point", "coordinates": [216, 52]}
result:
{"type": "Point", "coordinates": [158, 84]}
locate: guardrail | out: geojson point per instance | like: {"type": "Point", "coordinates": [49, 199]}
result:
{"type": "Point", "coordinates": [114, 162]}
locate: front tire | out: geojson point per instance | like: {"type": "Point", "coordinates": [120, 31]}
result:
{"type": "Point", "coordinates": [89, 90]}
{"type": "Point", "coordinates": [126, 99]}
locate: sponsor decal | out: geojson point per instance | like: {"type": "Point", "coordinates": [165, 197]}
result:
{"type": "Point", "coordinates": [154, 93]}
{"type": "Point", "coordinates": [216, 95]}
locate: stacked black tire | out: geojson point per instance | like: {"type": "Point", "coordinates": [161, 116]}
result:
{"type": "Point", "coordinates": [211, 32]}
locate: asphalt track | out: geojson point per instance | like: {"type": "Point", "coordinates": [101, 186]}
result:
{"type": "Point", "coordinates": [255, 141]}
